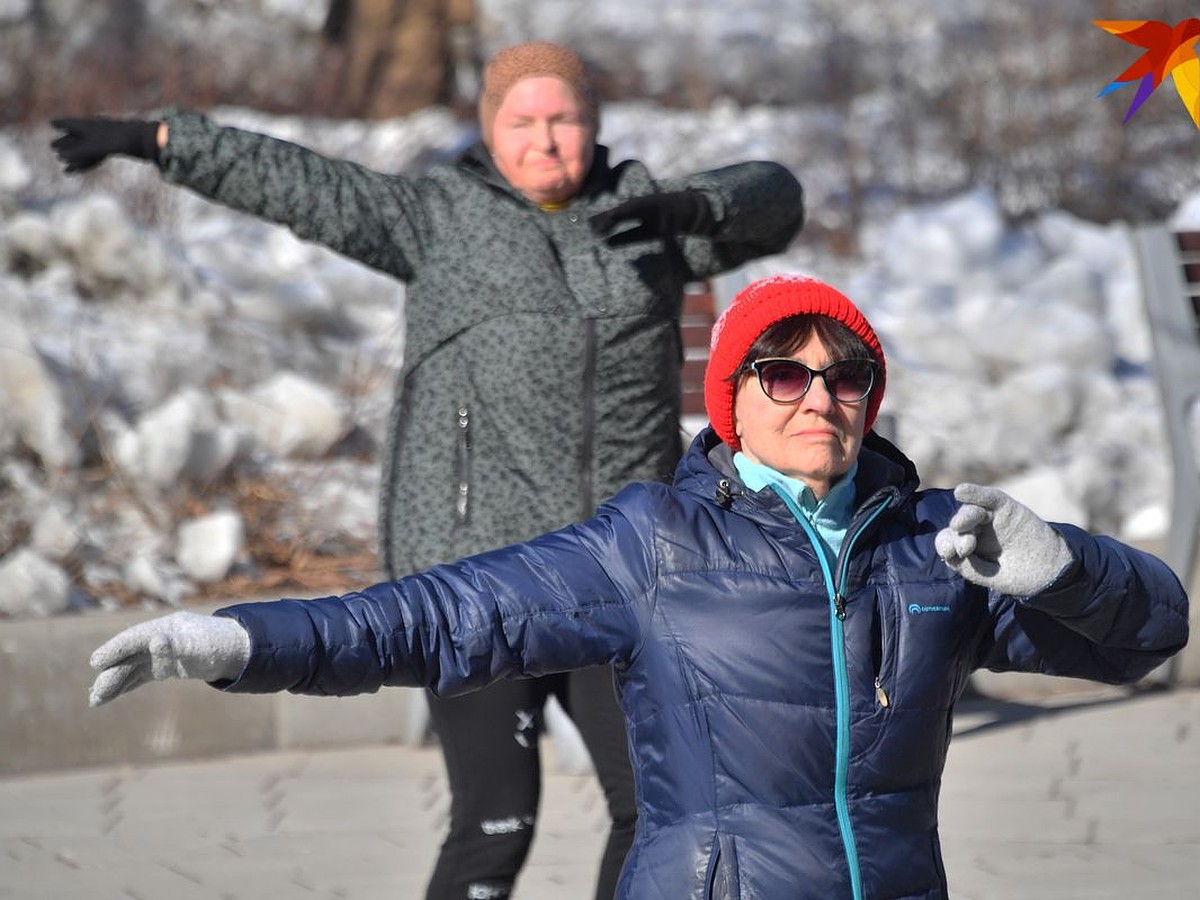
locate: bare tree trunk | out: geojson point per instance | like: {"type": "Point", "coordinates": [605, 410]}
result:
{"type": "Point", "coordinates": [396, 56]}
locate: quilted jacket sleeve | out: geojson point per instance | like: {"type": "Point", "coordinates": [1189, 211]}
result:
{"type": "Point", "coordinates": [377, 219]}
{"type": "Point", "coordinates": [1112, 617]}
{"type": "Point", "coordinates": [567, 600]}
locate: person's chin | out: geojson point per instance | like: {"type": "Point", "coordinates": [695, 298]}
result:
{"type": "Point", "coordinates": [556, 193]}
{"type": "Point", "coordinates": [823, 456]}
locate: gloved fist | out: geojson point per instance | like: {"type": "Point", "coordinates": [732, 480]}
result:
{"type": "Point", "coordinates": [89, 140]}
{"type": "Point", "coordinates": [994, 541]}
{"type": "Point", "coordinates": [180, 645]}
{"type": "Point", "coordinates": [655, 216]}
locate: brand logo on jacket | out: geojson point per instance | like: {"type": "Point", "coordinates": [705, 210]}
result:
{"type": "Point", "coordinates": [1170, 50]}
{"type": "Point", "coordinates": [919, 609]}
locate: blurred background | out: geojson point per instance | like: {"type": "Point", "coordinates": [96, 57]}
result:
{"type": "Point", "coordinates": [908, 104]}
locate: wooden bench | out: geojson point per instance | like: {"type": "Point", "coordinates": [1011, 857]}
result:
{"type": "Point", "coordinates": [1170, 275]}
{"type": "Point", "coordinates": [695, 326]}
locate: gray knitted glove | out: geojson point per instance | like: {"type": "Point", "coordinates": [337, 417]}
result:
{"type": "Point", "coordinates": [181, 645]}
{"type": "Point", "coordinates": [996, 542]}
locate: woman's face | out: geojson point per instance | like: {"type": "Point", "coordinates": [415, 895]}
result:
{"type": "Point", "coordinates": [815, 439]}
{"type": "Point", "coordinates": [543, 139]}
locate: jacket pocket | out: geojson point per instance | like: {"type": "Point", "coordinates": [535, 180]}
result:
{"type": "Point", "coordinates": [722, 882]}
{"type": "Point", "coordinates": [462, 498]}
{"type": "Point", "coordinates": [883, 653]}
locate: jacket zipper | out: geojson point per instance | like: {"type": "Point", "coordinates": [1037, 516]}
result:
{"type": "Point", "coordinates": [722, 879]}
{"type": "Point", "coordinates": [878, 643]}
{"type": "Point", "coordinates": [463, 496]}
{"type": "Point", "coordinates": [714, 867]}
{"type": "Point", "coordinates": [881, 696]}
{"type": "Point", "coordinates": [587, 449]}
{"type": "Point", "coordinates": [841, 677]}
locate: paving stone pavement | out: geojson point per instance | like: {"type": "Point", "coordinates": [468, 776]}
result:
{"type": "Point", "coordinates": [1094, 795]}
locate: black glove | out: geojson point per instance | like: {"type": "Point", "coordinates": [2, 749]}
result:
{"type": "Point", "coordinates": [88, 141]}
{"type": "Point", "coordinates": [656, 216]}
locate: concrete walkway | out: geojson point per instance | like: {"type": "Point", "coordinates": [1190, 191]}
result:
{"type": "Point", "coordinates": [1086, 793]}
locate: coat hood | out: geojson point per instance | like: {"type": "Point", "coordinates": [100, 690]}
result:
{"type": "Point", "coordinates": [707, 470]}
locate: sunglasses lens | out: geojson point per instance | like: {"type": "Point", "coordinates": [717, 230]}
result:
{"type": "Point", "coordinates": [850, 379]}
{"type": "Point", "coordinates": [786, 380]}
{"type": "Point", "coordinates": [783, 380]}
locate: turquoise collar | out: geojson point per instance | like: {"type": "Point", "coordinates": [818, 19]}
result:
{"type": "Point", "coordinates": [830, 516]}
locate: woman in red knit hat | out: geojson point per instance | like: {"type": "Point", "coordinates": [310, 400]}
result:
{"type": "Point", "coordinates": [792, 622]}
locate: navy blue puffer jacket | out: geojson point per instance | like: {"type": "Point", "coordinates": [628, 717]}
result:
{"type": "Point", "coordinates": [788, 719]}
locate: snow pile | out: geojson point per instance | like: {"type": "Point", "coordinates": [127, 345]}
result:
{"type": "Point", "coordinates": [1021, 357]}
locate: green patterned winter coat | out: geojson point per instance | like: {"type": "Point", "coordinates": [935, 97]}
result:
{"type": "Point", "coordinates": [541, 367]}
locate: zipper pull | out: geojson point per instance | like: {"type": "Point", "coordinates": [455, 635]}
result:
{"type": "Point", "coordinates": [839, 605]}
{"type": "Point", "coordinates": [881, 694]}
{"type": "Point", "coordinates": [464, 449]}
{"type": "Point", "coordinates": [724, 494]}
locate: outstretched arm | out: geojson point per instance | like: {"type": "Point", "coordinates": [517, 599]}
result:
{"type": "Point", "coordinates": [374, 218]}
{"type": "Point", "coordinates": [179, 645]}
{"type": "Point", "coordinates": [561, 601]}
{"type": "Point", "coordinates": [1062, 601]}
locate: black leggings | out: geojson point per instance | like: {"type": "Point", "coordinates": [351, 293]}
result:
{"type": "Point", "coordinates": [489, 740]}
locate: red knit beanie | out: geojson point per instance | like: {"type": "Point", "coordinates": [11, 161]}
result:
{"type": "Point", "coordinates": [755, 309]}
{"type": "Point", "coordinates": [512, 64]}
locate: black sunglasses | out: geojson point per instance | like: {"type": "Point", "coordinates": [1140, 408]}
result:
{"type": "Point", "coordinates": [788, 380]}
